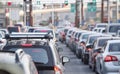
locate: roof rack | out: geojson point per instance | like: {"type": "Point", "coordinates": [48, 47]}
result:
{"type": "Point", "coordinates": [17, 35]}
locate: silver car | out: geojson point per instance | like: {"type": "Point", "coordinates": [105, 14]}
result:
{"type": "Point", "coordinates": [99, 43]}
{"type": "Point", "coordinates": [108, 60]}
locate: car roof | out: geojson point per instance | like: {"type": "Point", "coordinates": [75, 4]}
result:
{"type": "Point", "coordinates": [108, 38]}
{"type": "Point", "coordinates": [113, 41]}
{"type": "Point", "coordinates": [111, 24]}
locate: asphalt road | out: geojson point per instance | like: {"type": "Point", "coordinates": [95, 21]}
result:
{"type": "Point", "coordinates": [75, 66]}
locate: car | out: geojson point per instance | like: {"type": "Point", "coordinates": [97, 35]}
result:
{"type": "Point", "coordinates": [76, 39]}
{"type": "Point", "coordinates": [16, 62]}
{"type": "Point", "coordinates": [89, 46]}
{"type": "Point", "coordinates": [45, 30]}
{"type": "Point", "coordinates": [101, 25]}
{"type": "Point", "coordinates": [113, 28]}
{"type": "Point", "coordinates": [82, 38]}
{"type": "Point", "coordinates": [3, 41]}
{"type": "Point", "coordinates": [98, 43]}
{"type": "Point", "coordinates": [4, 30]}
{"type": "Point", "coordinates": [107, 61]}
{"type": "Point", "coordinates": [68, 35]}
{"type": "Point", "coordinates": [41, 49]}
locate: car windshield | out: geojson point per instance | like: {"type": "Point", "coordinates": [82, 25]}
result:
{"type": "Point", "coordinates": [38, 55]}
{"type": "Point", "coordinates": [114, 47]}
{"type": "Point", "coordinates": [114, 29]}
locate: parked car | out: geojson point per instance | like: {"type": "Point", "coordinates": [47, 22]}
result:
{"type": "Point", "coordinates": [41, 49]}
{"type": "Point", "coordinates": [16, 62]}
{"type": "Point", "coordinates": [107, 61]}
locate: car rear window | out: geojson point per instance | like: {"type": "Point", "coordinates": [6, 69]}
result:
{"type": "Point", "coordinates": [85, 36]}
{"type": "Point", "coordinates": [37, 54]}
{"type": "Point", "coordinates": [92, 39]}
{"type": "Point", "coordinates": [101, 26]}
{"type": "Point", "coordinates": [102, 42]}
{"type": "Point", "coordinates": [114, 28]}
{"type": "Point", "coordinates": [114, 47]}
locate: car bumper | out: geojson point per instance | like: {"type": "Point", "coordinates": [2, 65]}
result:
{"type": "Point", "coordinates": [109, 68]}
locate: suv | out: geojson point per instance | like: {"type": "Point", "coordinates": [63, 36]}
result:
{"type": "Point", "coordinates": [42, 51]}
{"type": "Point", "coordinates": [16, 62]}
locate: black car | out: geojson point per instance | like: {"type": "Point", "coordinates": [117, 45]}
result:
{"type": "Point", "coordinates": [43, 52]}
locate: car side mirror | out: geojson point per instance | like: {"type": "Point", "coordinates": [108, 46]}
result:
{"type": "Point", "coordinates": [65, 60]}
{"type": "Point", "coordinates": [69, 36]}
{"type": "Point", "coordinates": [99, 50]}
{"type": "Point", "coordinates": [103, 31]}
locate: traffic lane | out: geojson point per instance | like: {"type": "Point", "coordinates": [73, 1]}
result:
{"type": "Point", "coordinates": [75, 66]}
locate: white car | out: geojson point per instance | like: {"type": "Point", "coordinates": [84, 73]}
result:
{"type": "Point", "coordinates": [17, 62]}
{"type": "Point", "coordinates": [108, 59]}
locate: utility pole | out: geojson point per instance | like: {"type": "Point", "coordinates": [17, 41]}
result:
{"type": "Point", "coordinates": [108, 5]}
{"type": "Point", "coordinates": [82, 15]}
{"type": "Point", "coordinates": [77, 14]}
{"type": "Point", "coordinates": [102, 11]}
{"type": "Point", "coordinates": [28, 19]}
{"type": "Point", "coordinates": [117, 10]}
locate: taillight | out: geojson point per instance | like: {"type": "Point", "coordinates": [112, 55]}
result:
{"type": "Point", "coordinates": [110, 58]}
{"type": "Point", "coordinates": [57, 70]}
{"type": "Point", "coordinates": [26, 45]}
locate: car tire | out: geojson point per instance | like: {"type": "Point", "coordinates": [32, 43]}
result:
{"type": "Point", "coordinates": [90, 66]}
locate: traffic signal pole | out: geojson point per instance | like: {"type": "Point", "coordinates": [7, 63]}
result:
{"type": "Point", "coordinates": [28, 19]}
{"type": "Point", "coordinates": [102, 11]}
{"type": "Point", "coordinates": [82, 15]}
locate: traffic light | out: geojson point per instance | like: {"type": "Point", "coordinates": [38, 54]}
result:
{"type": "Point", "coordinates": [9, 3]}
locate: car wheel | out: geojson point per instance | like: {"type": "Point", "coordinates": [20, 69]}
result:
{"type": "Point", "coordinates": [77, 53]}
{"type": "Point", "coordinates": [90, 66]}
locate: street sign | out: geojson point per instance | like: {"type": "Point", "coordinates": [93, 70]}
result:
{"type": "Point", "coordinates": [91, 7]}
{"type": "Point", "coordinates": [73, 8]}
{"type": "Point", "coordinates": [93, 0]}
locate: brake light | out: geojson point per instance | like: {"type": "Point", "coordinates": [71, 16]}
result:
{"type": "Point", "coordinates": [26, 45]}
{"type": "Point", "coordinates": [57, 70]}
{"type": "Point", "coordinates": [43, 30]}
{"type": "Point", "coordinates": [109, 58]}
